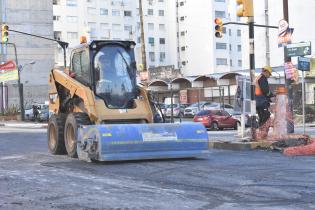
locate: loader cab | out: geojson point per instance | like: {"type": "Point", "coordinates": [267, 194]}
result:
{"type": "Point", "coordinates": [109, 68]}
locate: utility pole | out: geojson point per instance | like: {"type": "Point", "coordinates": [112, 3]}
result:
{"type": "Point", "coordinates": [246, 9]}
{"type": "Point", "coordinates": [267, 33]}
{"type": "Point", "coordinates": [252, 76]}
{"type": "Point", "coordinates": [288, 82]}
{"type": "Point", "coordinates": [143, 52]}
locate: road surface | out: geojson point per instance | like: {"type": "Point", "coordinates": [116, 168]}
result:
{"type": "Point", "coordinates": [30, 178]}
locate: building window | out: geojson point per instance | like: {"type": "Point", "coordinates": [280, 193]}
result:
{"type": "Point", "coordinates": [239, 48]}
{"type": "Point", "coordinates": [162, 56]}
{"type": "Point", "coordinates": [230, 47]}
{"type": "Point", "coordinates": [152, 56]}
{"type": "Point", "coordinates": [230, 32]}
{"type": "Point", "coordinates": [56, 2]}
{"type": "Point", "coordinates": [161, 0]}
{"type": "Point", "coordinates": [150, 12]}
{"type": "Point", "coordinates": [231, 62]}
{"type": "Point", "coordinates": [91, 10]}
{"type": "Point", "coordinates": [116, 27]}
{"type": "Point", "coordinates": [162, 40]}
{"type": "Point", "coordinates": [127, 13]}
{"type": "Point", "coordinates": [115, 12]}
{"type": "Point", "coordinates": [220, 46]}
{"type": "Point", "coordinates": [181, 3]}
{"type": "Point", "coordinates": [221, 61]}
{"type": "Point", "coordinates": [161, 27]}
{"type": "Point", "coordinates": [151, 40]}
{"type": "Point", "coordinates": [139, 39]}
{"type": "Point", "coordinates": [182, 18]}
{"type": "Point", "coordinates": [138, 26]}
{"type": "Point", "coordinates": [219, 0]}
{"type": "Point", "coordinates": [56, 18]}
{"type": "Point", "coordinates": [92, 26]}
{"type": "Point", "coordinates": [182, 33]}
{"type": "Point", "coordinates": [71, 3]}
{"type": "Point", "coordinates": [239, 32]}
{"type": "Point", "coordinates": [104, 26]}
{"type": "Point", "coordinates": [128, 28]}
{"type": "Point", "coordinates": [161, 12]}
{"type": "Point", "coordinates": [150, 26]}
{"type": "Point", "coordinates": [224, 30]}
{"type": "Point", "coordinates": [239, 63]}
{"type": "Point", "coordinates": [220, 14]}
{"type": "Point", "coordinates": [183, 48]}
{"type": "Point", "coordinates": [103, 11]}
{"type": "Point", "coordinates": [72, 35]}
{"type": "Point", "coordinates": [72, 19]}
{"type": "Point", "coordinates": [57, 35]}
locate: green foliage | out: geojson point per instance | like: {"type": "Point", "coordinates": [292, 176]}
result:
{"type": "Point", "coordinates": [10, 111]}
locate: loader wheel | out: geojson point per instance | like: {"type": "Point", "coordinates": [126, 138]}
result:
{"type": "Point", "coordinates": [74, 120]}
{"type": "Point", "coordinates": [55, 131]}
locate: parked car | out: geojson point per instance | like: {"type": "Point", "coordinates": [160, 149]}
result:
{"type": "Point", "coordinates": [218, 106]}
{"type": "Point", "coordinates": [216, 119]}
{"type": "Point", "coordinates": [163, 108]}
{"type": "Point", "coordinates": [195, 108]}
{"type": "Point", "coordinates": [237, 115]}
{"type": "Point", "coordinates": [43, 112]}
{"type": "Point", "coordinates": [178, 110]}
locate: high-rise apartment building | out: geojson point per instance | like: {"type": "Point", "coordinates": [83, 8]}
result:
{"type": "Point", "coordinates": [116, 20]}
{"type": "Point", "coordinates": [177, 32]}
{"type": "Point", "coordinates": [200, 52]}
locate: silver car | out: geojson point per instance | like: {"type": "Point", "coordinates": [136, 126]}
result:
{"type": "Point", "coordinates": [195, 108]}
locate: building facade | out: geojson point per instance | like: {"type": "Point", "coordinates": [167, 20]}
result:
{"type": "Point", "coordinates": [33, 17]}
{"type": "Point", "coordinates": [116, 20]}
{"type": "Point", "coordinates": [200, 52]}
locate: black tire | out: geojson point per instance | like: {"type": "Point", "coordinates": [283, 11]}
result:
{"type": "Point", "coordinates": [237, 124]}
{"type": "Point", "coordinates": [74, 120]}
{"type": "Point", "coordinates": [55, 134]}
{"type": "Point", "coordinates": [214, 126]}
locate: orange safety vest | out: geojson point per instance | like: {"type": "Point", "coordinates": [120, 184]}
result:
{"type": "Point", "coordinates": [258, 91]}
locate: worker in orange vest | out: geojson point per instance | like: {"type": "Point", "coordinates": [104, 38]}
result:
{"type": "Point", "coordinates": [263, 95]}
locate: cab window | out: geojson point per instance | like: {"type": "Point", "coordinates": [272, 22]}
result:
{"type": "Point", "coordinates": [81, 66]}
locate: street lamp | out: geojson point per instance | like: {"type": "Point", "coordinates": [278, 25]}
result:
{"type": "Point", "coordinates": [20, 68]}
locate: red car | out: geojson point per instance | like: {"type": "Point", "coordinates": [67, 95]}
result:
{"type": "Point", "coordinates": [216, 119]}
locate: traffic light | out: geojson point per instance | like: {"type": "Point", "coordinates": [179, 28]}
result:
{"type": "Point", "coordinates": [245, 8]}
{"type": "Point", "coordinates": [218, 27]}
{"type": "Point", "coordinates": [5, 33]}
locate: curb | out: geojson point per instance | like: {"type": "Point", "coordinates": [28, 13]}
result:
{"type": "Point", "coordinates": [239, 146]}
{"type": "Point", "coordinates": [23, 126]}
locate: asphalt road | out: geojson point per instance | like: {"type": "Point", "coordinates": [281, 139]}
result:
{"type": "Point", "coordinates": [30, 178]}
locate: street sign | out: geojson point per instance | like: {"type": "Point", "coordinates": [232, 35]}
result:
{"type": "Point", "coordinates": [284, 33]}
{"type": "Point", "coordinates": [8, 72]}
{"type": "Point", "coordinates": [298, 49]}
{"type": "Point", "coordinates": [283, 27]}
{"type": "Point", "coordinates": [304, 64]}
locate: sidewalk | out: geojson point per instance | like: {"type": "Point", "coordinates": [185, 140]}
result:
{"type": "Point", "coordinates": [19, 124]}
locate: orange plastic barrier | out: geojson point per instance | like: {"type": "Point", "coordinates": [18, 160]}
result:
{"type": "Point", "coordinates": [301, 150]}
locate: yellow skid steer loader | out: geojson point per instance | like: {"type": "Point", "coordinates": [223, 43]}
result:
{"type": "Point", "coordinates": [99, 113]}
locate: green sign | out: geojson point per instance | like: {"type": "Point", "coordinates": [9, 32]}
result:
{"type": "Point", "coordinates": [298, 49]}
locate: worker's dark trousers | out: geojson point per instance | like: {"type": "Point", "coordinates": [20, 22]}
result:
{"type": "Point", "coordinates": [263, 115]}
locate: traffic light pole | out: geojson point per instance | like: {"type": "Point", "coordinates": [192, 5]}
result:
{"type": "Point", "coordinates": [288, 82]}
{"type": "Point", "coordinates": [252, 76]}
